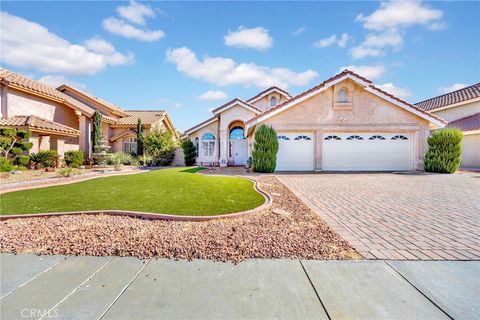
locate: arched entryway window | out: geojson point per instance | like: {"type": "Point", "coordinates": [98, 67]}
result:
{"type": "Point", "coordinates": [237, 133]}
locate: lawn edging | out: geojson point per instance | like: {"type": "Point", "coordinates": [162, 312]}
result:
{"type": "Point", "coordinates": [156, 216]}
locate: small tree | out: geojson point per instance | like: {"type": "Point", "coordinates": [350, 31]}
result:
{"type": "Point", "coordinates": [189, 152]}
{"type": "Point", "coordinates": [444, 153]}
{"type": "Point", "coordinates": [160, 145]}
{"type": "Point", "coordinates": [97, 130]}
{"type": "Point", "coordinates": [11, 144]}
{"type": "Point", "coordinates": [139, 138]}
{"type": "Point", "coordinates": [265, 149]}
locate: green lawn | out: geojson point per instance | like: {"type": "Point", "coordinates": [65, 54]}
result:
{"type": "Point", "coordinates": [172, 191]}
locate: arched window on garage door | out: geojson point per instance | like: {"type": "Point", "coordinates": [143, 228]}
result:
{"type": "Point", "coordinates": [283, 138]}
{"type": "Point", "coordinates": [332, 138]}
{"type": "Point", "coordinates": [376, 137]}
{"type": "Point", "coordinates": [302, 138]}
{"type": "Point", "coordinates": [354, 137]}
{"type": "Point", "coordinates": [399, 137]}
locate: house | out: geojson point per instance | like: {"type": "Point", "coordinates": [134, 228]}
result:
{"type": "Point", "coordinates": [461, 108]}
{"type": "Point", "coordinates": [343, 124]}
{"type": "Point", "coordinates": [61, 119]}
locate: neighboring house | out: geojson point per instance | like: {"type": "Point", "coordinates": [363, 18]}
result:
{"type": "Point", "coordinates": [61, 119]}
{"type": "Point", "coordinates": [461, 109]}
{"type": "Point", "coordinates": [344, 124]}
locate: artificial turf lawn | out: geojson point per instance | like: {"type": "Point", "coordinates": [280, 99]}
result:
{"type": "Point", "coordinates": [178, 191]}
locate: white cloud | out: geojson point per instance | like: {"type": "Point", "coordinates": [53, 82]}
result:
{"type": "Point", "coordinates": [453, 87]}
{"type": "Point", "coordinates": [121, 28]}
{"type": "Point", "coordinates": [398, 14]}
{"type": "Point", "coordinates": [369, 72]}
{"type": "Point", "coordinates": [108, 51]}
{"type": "Point", "coordinates": [136, 12]}
{"type": "Point", "coordinates": [361, 52]}
{"type": "Point", "coordinates": [254, 38]}
{"type": "Point", "coordinates": [212, 95]}
{"type": "Point", "coordinates": [381, 40]}
{"type": "Point", "coordinates": [42, 50]}
{"type": "Point", "coordinates": [341, 42]}
{"type": "Point", "coordinates": [402, 93]}
{"type": "Point", "coordinates": [437, 26]}
{"type": "Point", "coordinates": [225, 71]}
{"type": "Point", "coordinates": [56, 80]}
{"type": "Point", "coordinates": [298, 31]}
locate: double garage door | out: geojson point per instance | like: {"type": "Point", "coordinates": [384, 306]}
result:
{"type": "Point", "coordinates": [356, 151]}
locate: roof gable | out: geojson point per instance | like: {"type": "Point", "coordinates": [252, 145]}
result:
{"type": "Point", "coordinates": [365, 83]}
{"type": "Point", "coordinates": [237, 102]}
{"type": "Point", "coordinates": [268, 91]}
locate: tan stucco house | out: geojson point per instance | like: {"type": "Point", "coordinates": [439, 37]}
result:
{"type": "Point", "coordinates": [343, 124]}
{"type": "Point", "coordinates": [461, 108]}
{"type": "Point", "coordinates": [61, 118]}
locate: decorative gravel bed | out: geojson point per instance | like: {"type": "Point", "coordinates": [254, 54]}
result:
{"type": "Point", "coordinates": [292, 232]}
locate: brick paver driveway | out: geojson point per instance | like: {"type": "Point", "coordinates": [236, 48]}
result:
{"type": "Point", "coordinates": [398, 216]}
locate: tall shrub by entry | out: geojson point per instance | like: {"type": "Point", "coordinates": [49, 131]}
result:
{"type": "Point", "coordinates": [265, 149]}
{"type": "Point", "coordinates": [139, 138]}
{"type": "Point", "coordinates": [97, 130]}
{"type": "Point", "coordinates": [444, 153]}
{"type": "Point", "coordinates": [189, 152]}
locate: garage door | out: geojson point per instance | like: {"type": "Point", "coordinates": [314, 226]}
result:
{"type": "Point", "coordinates": [374, 151]}
{"type": "Point", "coordinates": [295, 152]}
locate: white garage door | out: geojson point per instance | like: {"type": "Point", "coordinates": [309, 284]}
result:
{"type": "Point", "coordinates": [295, 152]}
{"type": "Point", "coordinates": [374, 151]}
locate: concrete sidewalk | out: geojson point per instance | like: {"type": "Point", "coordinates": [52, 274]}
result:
{"type": "Point", "coordinates": [60, 287]}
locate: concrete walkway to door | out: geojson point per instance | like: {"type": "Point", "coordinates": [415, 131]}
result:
{"type": "Point", "coordinates": [58, 287]}
{"type": "Point", "coordinates": [397, 216]}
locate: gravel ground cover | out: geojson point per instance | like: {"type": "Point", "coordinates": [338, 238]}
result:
{"type": "Point", "coordinates": [292, 232]}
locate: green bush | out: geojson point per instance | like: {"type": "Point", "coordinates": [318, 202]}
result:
{"type": "Point", "coordinates": [5, 165]}
{"type": "Point", "coordinates": [13, 144]}
{"type": "Point", "coordinates": [45, 159]}
{"type": "Point", "coordinates": [189, 152]}
{"type": "Point", "coordinates": [265, 149]}
{"type": "Point", "coordinates": [165, 157]}
{"type": "Point", "coordinates": [66, 172]}
{"type": "Point", "coordinates": [22, 161]}
{"type": "Point", "coordinates": [74, 159]}
{"type": "Point", "coordinates": [444, 153]}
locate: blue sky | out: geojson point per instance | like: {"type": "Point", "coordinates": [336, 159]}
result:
{"type": "Point", "coordinates": [188, 57]}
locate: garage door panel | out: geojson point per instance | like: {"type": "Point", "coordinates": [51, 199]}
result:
{"type": "Point", "coordinates": [295, 155]}
{"type": "Point", "coordinates": [366, 154]}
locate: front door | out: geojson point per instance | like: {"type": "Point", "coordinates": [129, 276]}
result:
{"type": "Point", "coordinates": [239, 152]}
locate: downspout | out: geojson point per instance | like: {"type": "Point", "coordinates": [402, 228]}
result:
{"type": "Point", "coordinates": [4, 99]}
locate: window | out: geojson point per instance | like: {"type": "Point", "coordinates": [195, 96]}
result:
{"type": "Point", "coordinates": [332, 138]}
{"type": "Point", "coordinates": [273, 101]}
{"type": "Point", "coordinates": [208, 145]}
{"type": "Point", "coordinates": [283, 138]}
{"type": "Point", "coordinates": [197, 147]}
{"type": "Point", "coordinates": [303, 138]}
{"type": "Point", "coordinates": [342, 96]}
{"type": "Point", "coordinates": [376, 137]}
{"type": "Point", "coordinates": [237, 133]}
{"type": "Point", "coordinates": [130, 145]}
{"type": "Point", "coordinates": [355, 137]}
{"type": "Point", "coordinates": [399, 137]}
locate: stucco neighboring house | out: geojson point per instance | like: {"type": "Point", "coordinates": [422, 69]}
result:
{"type": "Point", "coordinates": [461, 108]}
{"type": "Point", "coordinates": [343, 124]}
{"type": "Point", "coordinates": [61, 119]}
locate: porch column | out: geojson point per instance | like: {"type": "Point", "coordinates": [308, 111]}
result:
{"type": "Point", "coordinates": [85, 135]}
{"type": "Point", "coordinates": [223, 159]}
{"type": "Point", "coordinates": [58, 145]}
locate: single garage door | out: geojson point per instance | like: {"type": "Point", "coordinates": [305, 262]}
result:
{"type": "Point", "coordinates": [295, 152]}
{"type": "Point", "coordinates": [373, 151]}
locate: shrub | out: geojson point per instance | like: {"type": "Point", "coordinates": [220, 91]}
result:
{"type": "Point", "coordinates": [145, 160]}
{"type": "Point", "coordinates": [189, 152]}
{"type": "Point", "coordinates": [5, 165]}
{"type": "Point", "coordinates": [22, 161]}
{"type": "Point", "coordinates": [117, 159]}
{"type": "Point", "coordinates": [265, 149]}
{"type": "Point", "coordinates": [43, 159]}
{"type": "Point", "coordinates": [139, 138]}
{"type": "Point", "coordinates": [12, 144]}
{"type": "Point", "coordinates": [97, 130]}
{"type": "Point", "coordinates": [444, 153]}
{"type": "Point", "coordinates": [66, 172]}
{"type": "Point", "coordinates": [74, 159]}
{"type": "Point", "coordinates": [165, 157]}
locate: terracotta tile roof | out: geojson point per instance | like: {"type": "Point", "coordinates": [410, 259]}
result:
{"type": "Point", "coordinates": [148, 117]}
{"type": "Point", "coordinates": [34, 122]}
{"type": "Point", "coordinates": [235, 100]}
{"type": "Point", "coordinates": [36, 87]}
{"type": "Point", "coordinates": [122, 134]}
{"type": "Point", "coordinates": [454, 97]}
{"type": "Point", "coordinates": [336, 77]}
{"type": "Point", "coordinates": [267, 90]}
{"type": "Point", "coordinates": [110, 106]}
{"type": "Point", "coordinates": [469, 123]}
